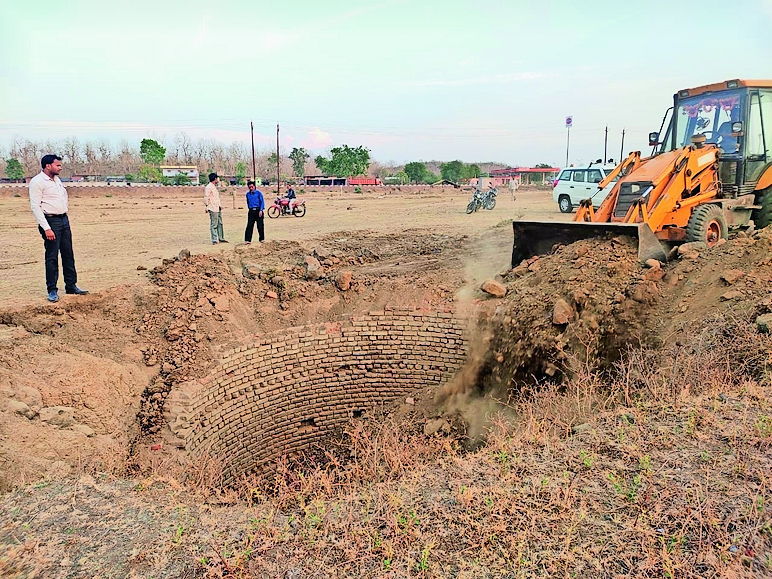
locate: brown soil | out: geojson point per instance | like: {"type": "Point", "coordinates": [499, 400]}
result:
{"type": "Point", "coordinates": [628, 335]}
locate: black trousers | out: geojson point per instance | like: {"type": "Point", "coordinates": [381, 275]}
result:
{"type": "Point", "coordinates": [60, 225]}
{"type": "Point", "coordinates": [254, 218]}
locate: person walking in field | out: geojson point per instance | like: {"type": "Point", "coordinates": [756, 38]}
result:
{"type": "Point", "coordinates": [50, 205]}
{"type": "Point", "coordinates": [256, 208]}
{"type": "Point", "coordinates": [214, 208]}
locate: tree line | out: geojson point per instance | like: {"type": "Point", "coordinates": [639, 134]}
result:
{"type": "Point", "coordinates": [140, 162]}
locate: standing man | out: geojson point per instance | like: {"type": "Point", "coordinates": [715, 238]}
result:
{"type": "Point", "coordinates": [214, 208]}
{"type": "Point", "coordinates": [256, 206]}
{"type": "Point", "coordinates": [49, 203]}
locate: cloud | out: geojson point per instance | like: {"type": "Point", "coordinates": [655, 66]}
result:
{"type": "Point", "coordinates": [317, 139]}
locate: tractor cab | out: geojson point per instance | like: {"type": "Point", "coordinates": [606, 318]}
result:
{"type": "Point", "coordinates": [736, 116]}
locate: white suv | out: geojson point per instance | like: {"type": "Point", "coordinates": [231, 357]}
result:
{"type": "Point", "coordinates": [579, 183]}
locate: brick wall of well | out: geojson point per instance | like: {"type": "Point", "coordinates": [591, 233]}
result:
{"type": "Point", "coordinates": [294, 388]}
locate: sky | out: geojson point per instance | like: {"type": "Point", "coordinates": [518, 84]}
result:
{"type": "Point", "coordinates": [409, 79]}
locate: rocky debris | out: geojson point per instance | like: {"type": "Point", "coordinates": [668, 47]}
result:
{"type": "Point", "coordinates": [732, 295]}
{"type": "Point", "coordinates": [691, 250]}
{"type": "Point", "coordinates": [313, 269]}
{"type": "Point", "coordinates": [183, 254]}
{"type": "Point", "coordinates": [343, 280]}
{"type": "Point", "coordinates": [18, 407]}
{"type": "Point", "coordinates": [653, 263]}
{"type": "Point", "coordinates": [732, 276]}
{"type": "Point", "coordinates": [764, 323]}
{"type": "Point", "coordinates": [654, 274]}
{"type": "Point", "coordinates": [251, 270]}
{"type": "Point", "coordinates": [432, 427]}
{"type": "Point", "coordinates": [562, 313]}
{"type": "Point", "coordinates": [83, 429]}
{"type": "Point", "coordinates": [322, 254]}
{"type": "Point", "coordinates": [30, 396]}
{"type": "Point", "coordinates": [494, 288]}
{"type": "Point", "coordinates": [272, 295]}
{"type": "Point", "coordinates": [61, 416]}
{"type": "Point", "coordinates": [220, 302]}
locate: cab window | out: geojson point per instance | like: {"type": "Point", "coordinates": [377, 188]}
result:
{"type": "Point", "coordinates": [594, 176]}
{"type": "Point", "coordinates": [579, 176]}
{"type": "Point", "coordinates": [607, 172]}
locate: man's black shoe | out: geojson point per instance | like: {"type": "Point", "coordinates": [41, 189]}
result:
{"type": "Point", "coordinates": [77, 291]}
{"type": "Point", "coordinates": [53, 296]}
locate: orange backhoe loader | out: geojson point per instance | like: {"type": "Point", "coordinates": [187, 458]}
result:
{"type": "Point", "coordinates": [712, 171]}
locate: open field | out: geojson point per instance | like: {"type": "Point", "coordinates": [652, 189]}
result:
{"type": "Point", "coordinates": [116, 229]}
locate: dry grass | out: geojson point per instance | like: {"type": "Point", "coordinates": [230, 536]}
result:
{"type": "Point", "coordinates": [664, 471]}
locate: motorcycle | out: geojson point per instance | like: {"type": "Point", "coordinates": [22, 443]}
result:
{"type": "Point", "coordinates": [281, 206]}
{"type": "Point", "coordinates": [485, 200]}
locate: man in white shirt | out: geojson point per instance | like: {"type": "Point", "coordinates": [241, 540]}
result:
{"type": "Point", "coordinates": [49, 203]}
{"type": "Point", "coordinates": [214, 208]}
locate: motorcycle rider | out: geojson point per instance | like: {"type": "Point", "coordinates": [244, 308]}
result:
{"type": "Point", "coordinates": [292, 198]}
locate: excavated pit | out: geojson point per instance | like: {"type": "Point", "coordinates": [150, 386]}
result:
{"type": "Point", "coordinates": [294, 388]}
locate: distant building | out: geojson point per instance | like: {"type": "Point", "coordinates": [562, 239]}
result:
{"type": "Point", "coordinates": [171, 171]}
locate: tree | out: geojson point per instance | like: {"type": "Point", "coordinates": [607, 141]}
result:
{"type": "Point", "coordinates": [471, 171]}
{"type": "Point", "coordinates": [14, 170]}
{"type": "Point", "coordinates": [403, 177]}
{"type": "Point", "coordinates": [149, 174]}
{"type": "Point", "coordinates": [453, 171]}
{"type": "Point", "coordinates": [345, 161]}
{"type": "Point", "coordinates": [152, 152]}
{"type": "Point", "coordinates": [417, 172]}
{"type": "Point", "coordinates": [181, 179]}
{"type": "Point", "coordinates": [240, 171]}
{"type": "Point", "coordinates": [299, 158]}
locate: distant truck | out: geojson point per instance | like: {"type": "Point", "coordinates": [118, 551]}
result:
{"type": "Point", "coordinates": [364, 181]}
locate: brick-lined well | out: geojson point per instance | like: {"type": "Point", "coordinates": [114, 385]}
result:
{"type": "Point", "coordinates": [294, 388]}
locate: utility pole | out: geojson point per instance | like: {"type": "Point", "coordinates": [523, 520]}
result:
{"type": "Point", "coordinates": [568, 141]}
{"type": "Point", "coordinates": [605, 147]}
{"type": "Point", "coordinates": [252, 132]}
{"type": "Point", "coordinates": [622, 149]}
{"type": "Point", "coordinates": [278, 173]}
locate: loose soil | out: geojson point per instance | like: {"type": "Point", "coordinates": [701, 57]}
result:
{"type": "Point", "coordinates": [604, 391]}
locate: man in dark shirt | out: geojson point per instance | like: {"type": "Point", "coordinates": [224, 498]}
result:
{"type": "Point", "coordinates": [256, 207]}
{"type": "Point", "coordinates": [292, 199]}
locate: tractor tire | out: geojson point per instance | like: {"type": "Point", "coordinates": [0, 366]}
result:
{"type": "Point", "coordinates": [763, 217]}
{"type": "Point", "coordinates": [564, 203]}
{"type": "Point", "coordinates": [707, 224]}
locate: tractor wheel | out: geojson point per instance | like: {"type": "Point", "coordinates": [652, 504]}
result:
{"type": "Point", "coordinates": [763, 217]}
{"type": "Point", "coordinates": [707, 224]}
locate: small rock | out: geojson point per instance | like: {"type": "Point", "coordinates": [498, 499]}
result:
{"type": "Point", "coordinates": [83, 429]}
{"type": "Point", "coordinates": [732, 276]}
{"type": "Point", "coordinates": [434, 426]}
{"type": "Point", "coordinates": [410, 401]}
{"type": "Point", "coordinates": [30, 396]}
{"type": "Point", "coordinates": [494, 288]}
{"type": "Point", "coordinates": [62, 416]}
{"type": "Point", "coordinates": [343, 281]}
{"type": "Point", "coordinates": [151, 361]}
{"type": "Point", "coordinates": [653, 263]}
{"type": "Point", "coordinates": [167, 368]}
{"type": "Point", "coordinates": [562, 313]}
{"type": "Point", "coordinates": [173, 334]}
{"type": "Point", "coordinates": [184, 254]}
{"type": "Point", "coordinates": [141, 268]}
{"type": "Point", "coordinates": [692, 249]}
{"type": "Point", "coordinates": [313, 268]}
{"type": "Point", "coordinates": [764, 324]}
{"type": "Point", "coordinates": [654, 274]}
{"type": "Point", "coordinates": [272, 295]}
{"type": "Point", "coordinates": [321, 254]}
{"type": "Point", "coordinates": [581, 428]}
{"type": "Point", "coordinates": [731, 295]}
{"type": "Point", "coordinates": [21, 408]}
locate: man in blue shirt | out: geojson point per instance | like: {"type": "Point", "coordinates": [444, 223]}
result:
{"type": "Point", "coordinates": [256, 206]}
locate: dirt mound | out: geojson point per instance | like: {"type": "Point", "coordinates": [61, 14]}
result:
{"type": "Point", "coordinates": [577, 311]}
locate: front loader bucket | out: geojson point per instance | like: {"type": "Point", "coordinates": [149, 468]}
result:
{"type": "Point", "coordinates": [540, 237]}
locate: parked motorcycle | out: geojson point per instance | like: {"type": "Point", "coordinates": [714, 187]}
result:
{"type": "Point", "coordinates": [480, 199]}
{"type": "Point", "coordinates": [475, 202]}
{"type": "Point", "coordinates": [281, 206]}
